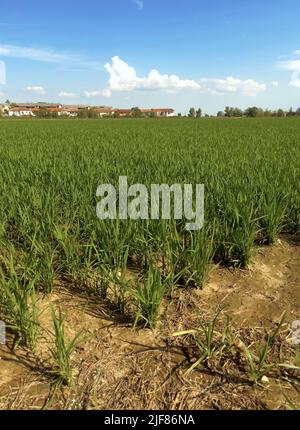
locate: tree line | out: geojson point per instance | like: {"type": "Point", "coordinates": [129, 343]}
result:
{"type": "Point", "coordinates": [250, 112]}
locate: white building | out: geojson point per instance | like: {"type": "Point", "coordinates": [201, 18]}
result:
{"type": "Point", "coordinates": [20, 112]}
{"type": "Point", "coordinates": [4, 108]}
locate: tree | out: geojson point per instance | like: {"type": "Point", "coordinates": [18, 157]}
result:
{"type": "Point", "coordinates": [238, 112]}
{"type": "Point", "coordinates": [42, 113]}
{"type": "Point", "coordinates": [227, 111]}
{"type": "Point", "coordinates": [63, 115]}
{"type": "Point", "coordinates": [290, 112]}
{"type": "Point", "coordinates": [298, 112]}
{"type": "Point", "coordinates": [267, 112]}
{"type": "Point", "coordinates": [192, 113]}
{"type": "Point", "coordinates": [220, 114]}
{"type": "Point", "coordinates": [83, 113]}
{"type": "Point", "coordinates": [254, 112]}
{"type": "Point", "coordinates": [179, 115]}
{"type": "Point", "coordinates": [280, 113]}
{"type": "Point", "coordinates": [92, 113]}
{"type": "Point", "coordinates": [233, 112]}
{"type": "Point", "coordinates": [199, 113]}
{"type": "Point", "coordinates": [136, 112]}
{"type": "Point", "coordinates": [53, 115]}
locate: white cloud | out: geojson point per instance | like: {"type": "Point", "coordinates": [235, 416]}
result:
{"type": "Point", "coordinates": [4, 51]}
{"type": "Point", "coordinates": [33, 54]}
{"type": "Point", "coordinates": [45, 55]}
{"type": "Point", "coordinates": [96, 93]}
{"type": "Point", "coordinates": [249, 87]}
{"type": "Point", "coordinates": [91, 94]}
{"type": "Point", "coordinates": [106, 93]}
{"type": "Point", "coordinates": [294, 67]}
{"type": "Point", "coordinates": [275, 84]}
{"type": "Point", "coordinates": [123, 77]}
{"type": "Point", "coordinates": [36, 89]}
{"type": "Point", "coordinates": [289, 65]}
{"type": "Point", "coordinates": [66, 94]}
{"type": "Point", "coordinates": [296, 81]}
{"type": "Point", "coordinates": [138, 3]}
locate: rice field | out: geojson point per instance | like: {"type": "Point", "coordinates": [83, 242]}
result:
{"type": "Point", "coordinates": [52, 241]}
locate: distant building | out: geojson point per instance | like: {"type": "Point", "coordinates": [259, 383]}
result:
{"type": "Point", "coordinates": [160, 112]}
{"type": "Point", "coordinates": [75, 106]}
{"type": "Point", "coordinates": [164, 112]}
{"type": "Point", "coordinates": [38, 105]}
{"type": "Point", "coordinates": [72, 111]}
{"type": "Point", "coordinates": [4, 108]}
{"type": "Point", "coordinates": [21, 112]}
{"type": "Point", "coordinates": [123, 112]}
{"type": "Point", "coordinates": [104, 111]}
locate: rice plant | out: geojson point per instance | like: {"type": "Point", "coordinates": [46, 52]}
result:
{"type": "Point", "coordinates": [209, 341]}
{"type": "Point", "coordinates": [257, 364]}
{"type": "Point", "coordinates": [273, 207]}
{"type": "Point", "coordinates": [250, 171]}
{"type": "Point", "coordinates": [39, 263]}
{"type": "Point", "coordinates": [62, 350]}
{"type": "Point", "coordinates": [190, 259]}
{"type": "Point", "coordinates": [18, 305]}
{"type": "Point", "coordinates": [149, 294]}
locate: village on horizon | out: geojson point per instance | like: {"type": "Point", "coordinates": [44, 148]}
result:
{"type": "Point", "coordinates": [43, 109]}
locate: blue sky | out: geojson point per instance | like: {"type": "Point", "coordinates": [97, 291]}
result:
{"type": "Point", "coordinates": [164, 53]}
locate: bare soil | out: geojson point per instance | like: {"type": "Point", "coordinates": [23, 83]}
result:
{"type": "Point", "coordinates": [117, 367]}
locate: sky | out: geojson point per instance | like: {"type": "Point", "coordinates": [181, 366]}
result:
{"type": "Point", "coordinates": [152, 53]}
